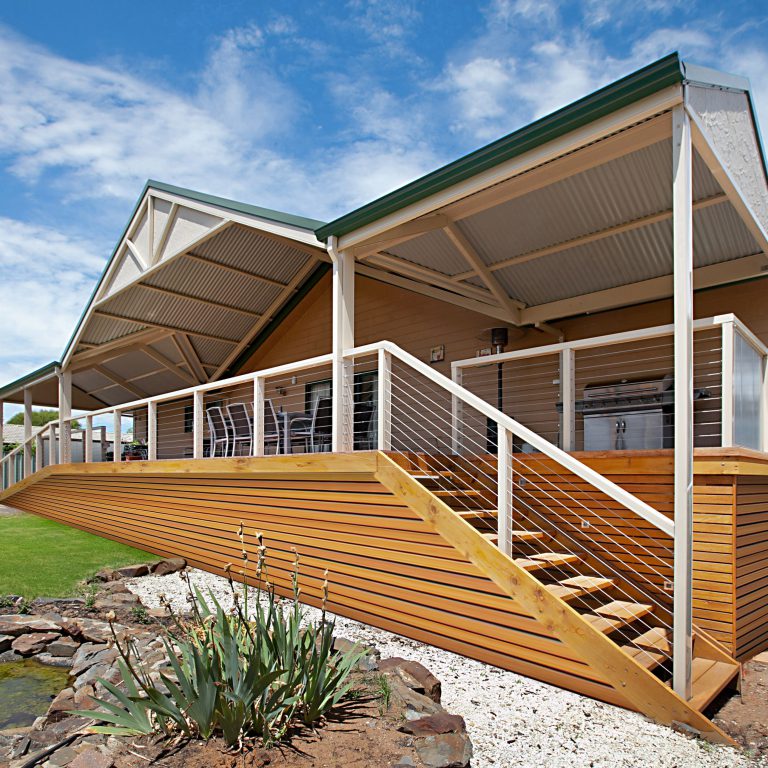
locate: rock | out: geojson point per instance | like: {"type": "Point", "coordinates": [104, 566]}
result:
{"type": "Point", "coordinates": [157, 613]}
{"type": "Point", "coordinates": [404, 696]}
{"type": "Point", "coordinates": [98, 672]}
{"type": "Point", "coordinates": [18, 624]}
{"type": "Point", "coordinates": [57, 603]}
{"type": "Point", "coordinates": [170, 565]}
{"type": "Point", "coordinates": [92, 630]}
{"type": "Point", "coordinates": [368, 661]}
{"type": "Point", "coordinates": [106, 574]}
{"type": "Point", "coordinates": [405, 761]}
{"type": "Point", "coordinates": [34, 642]}
{"type": "Point", "coordinates": [445, 750]}
{"type": "Point", "coordinates": [440, 722]}
{"type": "Point", "coordinates": [115, 587]}
{"type": "Point", "coordinates": [92, 758]}
{"type": "Point", "coordinates": [54, 661]}
{"type": "Point", "coordinates": [64, 646]}
{"type": "Point", "coordinates": [64, 701]}
{"type": "Point", "coordinates": [415, 676]}
{"type": "Point", "coordinates": [62, 757]}
{"type": "Point", "coordinates": [5, 642]}
{"type": "Point", "coordinates": [89, 654]}
{"type": "Point", "coordinates": [116, 602]}
{"type": "Point", "coordinates": [133, 571]}
{"type": "Point", "coordinates": [9, 656]}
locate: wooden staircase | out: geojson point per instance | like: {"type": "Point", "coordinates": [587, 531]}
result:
{"type": "Point", "coordinates": [635, 626]}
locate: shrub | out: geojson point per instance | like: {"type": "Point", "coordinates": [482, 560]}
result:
{"type": "Point", "coordinates": [233, 675]}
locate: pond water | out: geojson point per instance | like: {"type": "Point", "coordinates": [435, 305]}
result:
{"type": "Point", "coordinates": [26, 690]}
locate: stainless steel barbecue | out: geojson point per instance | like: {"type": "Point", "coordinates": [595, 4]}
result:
{"type": "Point", "coordinates": [628, 415]}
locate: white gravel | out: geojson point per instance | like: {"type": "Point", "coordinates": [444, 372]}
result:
{"type": "Point", "coordinates": [512, 720]}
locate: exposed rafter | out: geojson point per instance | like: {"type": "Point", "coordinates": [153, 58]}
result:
{"type": "Point", "coordinates": [120, 381]}
{"type": "Point", "coordinates": [187, 351]}
{"type": "Point", "coordinates": [157, 250]}
{"type": "Point", "coordinates": [475, 260]}
{"type": "Point", "coordinates": [174, 368]}
{"type": "Point", "coordinates": [102, 352]}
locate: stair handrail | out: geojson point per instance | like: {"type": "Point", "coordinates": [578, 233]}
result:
{"type": "Point", "coordinates": [541, 444]}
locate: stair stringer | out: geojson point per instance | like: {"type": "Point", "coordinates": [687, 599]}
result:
{"type": "Point", "coordinates": [643, 690]}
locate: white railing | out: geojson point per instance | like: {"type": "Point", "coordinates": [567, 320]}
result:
{"type": "Point", "coordinates": [544, 386]}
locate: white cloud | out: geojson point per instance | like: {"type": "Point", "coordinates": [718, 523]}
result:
{"type": "Point", "coordinates": [47, 277]}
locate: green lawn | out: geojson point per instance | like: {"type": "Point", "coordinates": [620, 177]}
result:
{"type": "Point", "coordinates": [42, 558]}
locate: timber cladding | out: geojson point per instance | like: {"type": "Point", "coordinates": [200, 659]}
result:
{"type": "Point", "coordinates": [387, 567]}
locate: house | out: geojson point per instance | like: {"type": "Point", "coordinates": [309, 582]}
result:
{"type": "Point", "coordinates": [517, 408]}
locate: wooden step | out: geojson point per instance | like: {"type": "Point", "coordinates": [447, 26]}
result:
{"type": "Point", "coordinates": [708, 678]}
{"type": "Point", "coordinates": [529, 565]}
{"type": "Point", "coordinates": [461, 498]}
{"type": "Point", "coordinates": [564, 593]}
{"type": "Point", "coordinates": [589, 583]}
{"type": "Point", "coordinates": [649, 659]}
{"type": "Point", "coordinates": [477, 514]}
{"type": "Point", "coordinates": [556, 558]}
{"type": "Point", "coordinates": [603, 624]}
{"type": "Point", "coordinates": [517, 536]}
{"type": "Point", "coordinates": [623, 609]}
{"type": "Point", "coordinates": [656, 639]}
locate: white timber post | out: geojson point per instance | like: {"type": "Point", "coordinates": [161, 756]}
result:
{"type": "Point", "coordinates": [384, 405]}
{"type": "Point", "coordinates": [568, 400]}
{"type": "Point", "coordinates": [726, 398]}
{"type": "Point", "coordinates": [152, 430]}
{"type": "Point", "coordinates": [27, 466]}
{"type": "Point", "coordinates": [457, 375]}
{"type": "Point", "coordinates": [343, 338]}
{"type": "Point", "coordinates": [504, 489]}
{"type": "Point", "coordinates": [52, 437]}
{"type": "Point", "coordinates": [682, 222]}
{"type": "Point", "coordinates": [259, 389]}
{"type": "Point", "coordinates": [39, 451]}
{"type": "Point", "coordinates": [65, 416]}
{"type": "Point", "coordinates": [197, 424]}
{"type": "Point", "coordinates": [88, 440]}
{"type": "Point", "coordinates": [117, 437]}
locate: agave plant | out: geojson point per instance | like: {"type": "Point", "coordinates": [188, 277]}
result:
{"type": "Point", "coordinates": [232, 673]}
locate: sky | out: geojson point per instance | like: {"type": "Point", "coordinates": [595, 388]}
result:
{"type": "Point", "coordinates": [308, 107]}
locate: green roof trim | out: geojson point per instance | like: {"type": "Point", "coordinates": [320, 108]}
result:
{"type": "Point", "coordinates": [278, 217]}
{"type": "Point", "coordinates": [43, 372]}
{"type": "Point", "coordinates": [634, 87]}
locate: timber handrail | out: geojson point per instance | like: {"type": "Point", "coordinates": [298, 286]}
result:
{"type": "Point", "coordinates": [541, 444]}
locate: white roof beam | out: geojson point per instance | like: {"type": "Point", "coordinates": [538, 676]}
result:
{"type": "Point", "coordinates": [647, 290]}
{"type": "Point", "coordinates": [593, 237]}
{"type": "Point", "coordinates": [489, 310]}
{"type": "Point", "coordinates": [120, 381]}
{"type": "Point", "coordinates": [174, 368]}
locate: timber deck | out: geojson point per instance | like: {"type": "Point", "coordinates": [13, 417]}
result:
{"type": "Point", "coordinates": [399, 558]}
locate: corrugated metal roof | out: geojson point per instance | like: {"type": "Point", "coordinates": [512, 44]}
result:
{"type": "Point", "coordinates": [240, 247]}
{"type": "Point", "coordinates": [102, 329]}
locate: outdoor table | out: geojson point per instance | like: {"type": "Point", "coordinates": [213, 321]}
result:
{"type": "Point", "coordinates": [286, 417]}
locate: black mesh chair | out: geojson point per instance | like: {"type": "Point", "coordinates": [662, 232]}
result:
{"type": "Point", "coordinates": [241, 428]}
{"type": "Point", "coordinates": [272, 432]}
{"type": "Point", "coordinates": [218, 440]}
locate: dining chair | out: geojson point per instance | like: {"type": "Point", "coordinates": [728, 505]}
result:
{"type": "Point", "coordinates": [241, 427]}
{"type": "Point", "coordinates": [318, 428]}
{"type": "Point", "coordinates": [272, 431]}
{"type": "Point", "coordinates": [219, 433]}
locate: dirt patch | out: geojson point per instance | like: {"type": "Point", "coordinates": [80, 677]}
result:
{"type": "Point", "coordinates": [745, 716]}
{"type": "Point", "coordinates": [8, 511]}
{"type": "Point", "coordinates": [360, 739]}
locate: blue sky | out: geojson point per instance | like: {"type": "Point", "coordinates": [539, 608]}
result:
{"type": "Point", "coordinates": [310, 107]}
